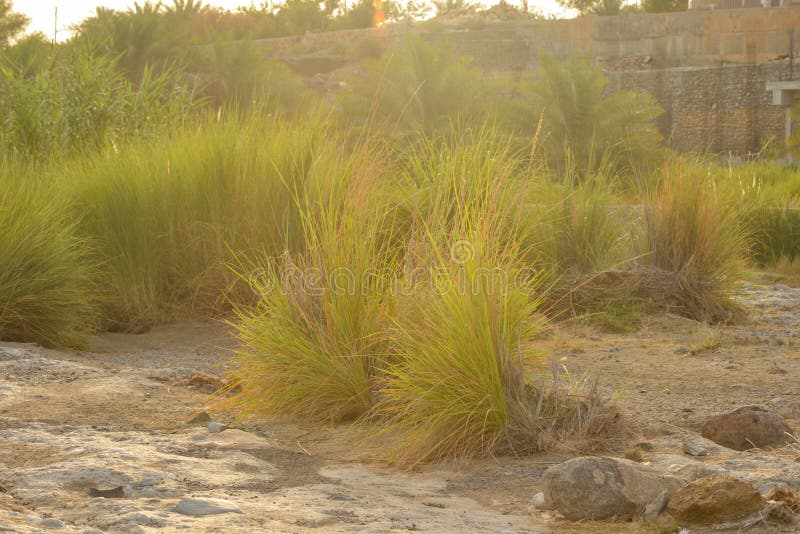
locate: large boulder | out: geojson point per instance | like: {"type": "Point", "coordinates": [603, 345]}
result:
{"type": "Point", "coordinates": [714, 499]}
{"type": "Point", "coordinates": [599, 488]}
{"type": "Point", "coordinates": [746, 428]}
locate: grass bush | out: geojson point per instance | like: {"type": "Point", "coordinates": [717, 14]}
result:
{"type": "Point", "coordinates": [47, 294]}
{"type": "Point", "coordinates": [692, 234]}
{"type": "Point", "coordinates": [770, 197]}
{"type": "Point", "coordinates": [455, 384]}
{"type": "Point", "coordinates": [316, 340]}
{"type": "Point", "coordinates": [579, 229]}
{"type": "Point", "coordinates": [168, 216]}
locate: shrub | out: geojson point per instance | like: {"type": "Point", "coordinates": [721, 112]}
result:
{"type": "Point", "coordinates": [167, 216]}
{"type": "Point", "coordinates": [317, 338]}
{"type": "Point", "coordinates": [83, 104]}
{"type": "Point", "coordinates": [456, 382]}
{"type": "Point", "coordinates": [699, 239]}
{"type": "Point", "coordinates": [46, 291]}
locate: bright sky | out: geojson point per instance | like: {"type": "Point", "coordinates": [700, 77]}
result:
{"type": "Point", "coordinates": [41, 12]}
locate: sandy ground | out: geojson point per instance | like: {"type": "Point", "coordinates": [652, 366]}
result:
{"type": "Point", "coordinates": [75, 422]}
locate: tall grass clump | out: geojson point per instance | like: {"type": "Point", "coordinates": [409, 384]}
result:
{"type": "Point", "coordinates": [578, 230]}
{"type": "Point", "coordinates": [168, 216]}
{"type": "Point", "coordinates": [315, 342]}
{"type": "Point", "coordinates": [698, 240]}
{"type": "Point", "coordinates": [770, 196]}
{"type": "Point", "coordinates": [456, 383]}
{"type": "Point", "coordinates": [47, 294]}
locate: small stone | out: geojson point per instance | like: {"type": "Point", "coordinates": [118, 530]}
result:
{"type": "Point", "coordinates": [52, 523]}
{"type": "Point", "coordinates": [215, 427]}
{"type": "Point", "coordinates": [682, 350]}
{"type": "Point", "coordinates": [198, 419]}
{"type": "Point", "coordinates": [113, 493]}
{"type": "Point", "coordinates": [235, 439]}
{"type": "Point", "coordinates": [781, 287]}
{"type": "Point", "coordinates": [692, 448]}
{"type": "Point", "coordinates": [204, 506]}
{"type": "Point", "coordinates": [746, 428]}
{"type": "Point", "coordinates": [656, 506]}
{"type": "Point", "coordinates": [714, 499]}
{"type": "Point", "coordinates": [539, 501]}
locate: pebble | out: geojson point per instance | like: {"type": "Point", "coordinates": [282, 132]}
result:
{"type": "Point", "coordinates": [692, 448]}
{"type": "Point", "coordinates": [215, 427]}
{"type": "Point", "coordinates": [204, 506]}
{"type": "Point", "coordinates": [52, 523]}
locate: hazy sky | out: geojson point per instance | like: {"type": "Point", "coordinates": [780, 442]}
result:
{"type": "Point", "coordinates": [71, 12]}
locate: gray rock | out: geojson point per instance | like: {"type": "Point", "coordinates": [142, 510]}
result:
{"type": "Point", "coordinates": [600, 488]}
{"type": "Point", "coordinates": [52, 523]}
{"type": "Point", "coordinates": [214, 427]}
{"type": "Point", "coordinates": [140, 518]}
{"type": "Point", "coordinates": [656, 506]}
{"type": "Point", "coordinates": [692, 448]}
{"type": "Point", "coordinates": [205, 506]}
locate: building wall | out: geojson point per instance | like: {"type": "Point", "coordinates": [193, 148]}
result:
{"type": "Point", "coordinates": [708, 69]}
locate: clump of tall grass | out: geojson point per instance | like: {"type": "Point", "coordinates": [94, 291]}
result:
{"type": "Point", "coordinates": [316, 340]}
{"type": "Point", "coordinates": [461, 338]}
{"type": "Point", "coordinates": [770, 197]}
{"type": "Point", "coordinates": [457, 383]}
{"type": "Point", "coordinates": [698, 240]}
{"type": "Point", "coordinates": [168, 216]}
{"type": "Point", "coordinates": [47, 294]}
{"type": "Point", "coordinates": [578, 229]}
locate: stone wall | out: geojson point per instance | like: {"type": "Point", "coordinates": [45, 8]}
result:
{"type": "Point", "coordinates": [708, 69]}
{"type": "Point", "coordinates": [723, 108]}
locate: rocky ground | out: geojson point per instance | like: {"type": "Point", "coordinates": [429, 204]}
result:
{"type": "Point", "coordinates": [117, 440]}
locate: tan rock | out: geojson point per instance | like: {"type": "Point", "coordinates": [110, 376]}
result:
{"type": "Point", "coordinates": [714, 499]}
{"type": "Point", "coordinates": [233, 439]}
{"type": "Point", "coordinates": [746, 428]}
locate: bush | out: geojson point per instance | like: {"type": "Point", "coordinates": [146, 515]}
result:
{"type": "Point", "coordinates": [315, 342]}
{"type": "Point", "coordinates": [47, 294]}
{"type": "Point", "coordinates": [169, 215]}
{"type": "Point", "coordinates": [691, 233]}
{"type": "Point", "coordinates": [456, 381]}
{"type": "Point", "coordinates": [83, 104]}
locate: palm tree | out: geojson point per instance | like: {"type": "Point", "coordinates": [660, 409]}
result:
{"type": "Point", "coordinates": [418, 88]}
{"type": "Point", "coordinates": [583, 123]}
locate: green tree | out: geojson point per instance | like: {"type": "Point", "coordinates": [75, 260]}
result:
{"type": "Point", "coordinates": [418, 88]}
{"type": "Point", "coordinates": [663, 6]}
{"type": "Point", "coordinates": [11, 24]}
{"type": "Point", "coordinates": [582, 123]}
